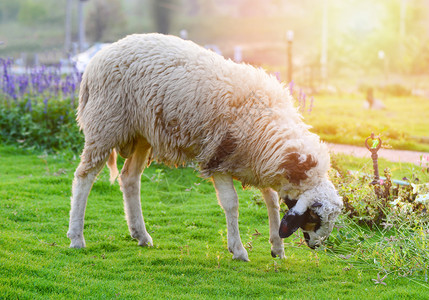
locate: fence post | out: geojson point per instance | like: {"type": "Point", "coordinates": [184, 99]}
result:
{"type": "Point", "coordinates": [376, 145]}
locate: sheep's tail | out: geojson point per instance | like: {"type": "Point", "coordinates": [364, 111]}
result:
{"type": "Point", "coordinates": [83, 100]}
{"type": "Point", "coordinates": [111, 164]}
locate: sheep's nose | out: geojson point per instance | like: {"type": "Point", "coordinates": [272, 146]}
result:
{"type": "Point", "coordinates": [307, 241]}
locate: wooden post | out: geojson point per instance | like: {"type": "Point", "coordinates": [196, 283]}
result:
{"type": "Point", "coordinates": [376, 145]}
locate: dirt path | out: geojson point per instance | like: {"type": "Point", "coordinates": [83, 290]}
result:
{"type": "Point", "coordinates": [389, 154]}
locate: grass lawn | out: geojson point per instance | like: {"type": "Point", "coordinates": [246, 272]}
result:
{"type": "Point", "coordinates": [365, 166]}
{"type": "Point", "coordinates": [189, 259]}
{"type": "Point", "coordinates": [403, 124]}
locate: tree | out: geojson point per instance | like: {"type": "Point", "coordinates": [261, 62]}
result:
{"type": "Point", "coordinates": [162, 12]}
{"type": "Point", "coordinates": [104, 20]}
{"type": "Point", "coordinates": [9, 9]}
{"type": "Point", "coordinates": [31, 12]}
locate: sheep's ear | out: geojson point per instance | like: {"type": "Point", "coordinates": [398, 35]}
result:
{"type": "Point", "coordinates": [290, 202]}
{"type": "Point", "coordinates": [296, 166]}
{"type": "Point", "coordinates": [316, 204]}
{"type": "Point", "coordinates": [290, 223]}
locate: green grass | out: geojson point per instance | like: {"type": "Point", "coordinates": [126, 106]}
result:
{"type": "Point", "coordinates": [402, 124]}
{"type": "Point", "coordinates": [189, 259]}
{"type": "Point", "coordinates": [365, 166]}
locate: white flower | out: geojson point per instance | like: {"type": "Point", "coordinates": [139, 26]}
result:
{"type": "Point", "coordinates": [416, 188]}
{"type": "Point", "coordinates": [396, 201]}
{"type": "Point", "coordinates": [407, 208]}
{"type": "Point", "coordinates": [423, 199]}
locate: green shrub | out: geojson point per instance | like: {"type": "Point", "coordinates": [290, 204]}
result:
{"type": "Point", "coordinates": [371, 204]}
{"type": "Point", "coordinates": [384, 226]}
{"type": "Point", "coordinates": [47, 125]}
{"type": "Point", "coordinates": [399, 246]}
{"type": "Point", "coordinates": [395, 89]}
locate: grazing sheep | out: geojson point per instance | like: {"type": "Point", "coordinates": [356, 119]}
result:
{"type": "Point", "coordinates": [153, 96]}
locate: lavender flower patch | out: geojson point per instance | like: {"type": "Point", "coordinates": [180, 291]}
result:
{"type": "Point", "coordinates": [37, 107]}
{"type": "Point", "coordinates": [39, 82]}
{"type": "Point", "coordinates": [300, 96]}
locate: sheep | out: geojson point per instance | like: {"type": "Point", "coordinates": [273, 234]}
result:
{"type": "Point", "coordinates": [158, 97]}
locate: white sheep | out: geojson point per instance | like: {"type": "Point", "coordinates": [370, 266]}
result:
{"type": "Point", "coordinates": [152, 96]}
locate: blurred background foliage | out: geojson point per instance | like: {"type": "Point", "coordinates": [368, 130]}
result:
{"type": "Point", "coordinates": [386, 40]}
{"type": "Point", "coordinates": [370, 45]}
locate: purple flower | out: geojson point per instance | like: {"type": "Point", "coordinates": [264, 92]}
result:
{"type": "Point", "coordinates": [39, 82]}
{"type": "Point", "coordinates": [291, 84]}
{"type": "Point", "coordinates": [23, 84]}
{"type": "Point", "coordinates": [8, 79]}
{"type": "Point", "coordinates": [301, 100]}
{"type": "Point", "coordinates": [45, 102]}
{"type": "Point", "coordinates": [311, 104]}
{"type": "Point", "coordinates": [304, 97]}
{"type": "Point", "coordinates": [28, 106]}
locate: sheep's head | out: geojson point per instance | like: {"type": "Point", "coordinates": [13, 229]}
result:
{"type": "Point", "coordinates": [315, 212]}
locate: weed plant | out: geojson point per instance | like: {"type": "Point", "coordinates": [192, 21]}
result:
{"type": "Point", "coordinates": [396, 248]}
{"type": "Point", "coordinates": [384, 226]}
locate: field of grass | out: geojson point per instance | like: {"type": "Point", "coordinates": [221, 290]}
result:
{"type": "Point", "coordinates": [189, 259]}
{"type": "Point", "coordinates": [365, 166]}
{"type": "Point", "coordinates": [403, 124]}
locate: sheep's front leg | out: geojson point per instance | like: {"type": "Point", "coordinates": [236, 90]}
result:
{"type": "Point", "coordinates": [272, 202]}
{"type": "Point", "coordinates": [228, 199]}
{"type": "Point", "coordinates": [130, 182]}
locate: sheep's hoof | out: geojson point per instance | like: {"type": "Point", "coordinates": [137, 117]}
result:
{"type": "Point", "coordinates": [77, 240]}
{"type": "Point", "coordinates": [146, 241]}
{"type": "Point", "coordinates": [280, 253]}
{"type": "Point", "coordinates": [241, 255]}
{"type": "Point", "coordinates": [77, 243]}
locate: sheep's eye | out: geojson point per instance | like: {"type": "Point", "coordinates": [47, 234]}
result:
{"type": "Point", "coordinates": [313, 217]}
{"type": "Point", "coordinates": [313, 221]}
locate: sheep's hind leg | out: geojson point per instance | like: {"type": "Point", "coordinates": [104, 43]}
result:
{"type": "Point", "coordinates": [272, 202]}
{"type": "Point", "coordinates": [129, 181]}
{"type": "Point", "coordinates": [84, 178]}
{"type": "Point", "coordinates": [228, 199]}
